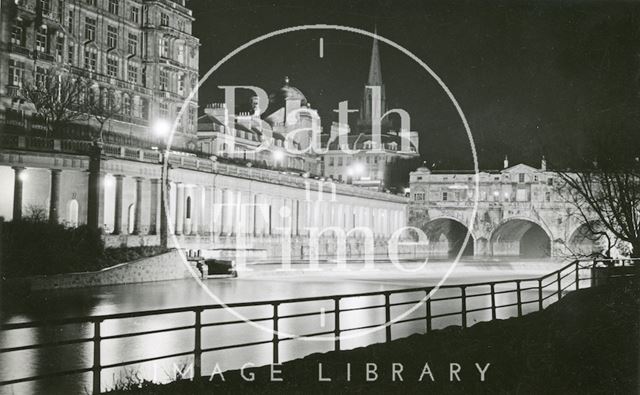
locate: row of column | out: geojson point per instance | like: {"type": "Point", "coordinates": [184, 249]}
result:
{"type": "Point", "coordinates": [223, 211]}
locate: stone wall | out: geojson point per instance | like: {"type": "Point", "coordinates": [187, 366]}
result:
{"type": "Point", "coordinates": [168, 266]}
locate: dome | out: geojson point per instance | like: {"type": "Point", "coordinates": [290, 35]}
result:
{"type": "Point", "coordinates": [288, 92]}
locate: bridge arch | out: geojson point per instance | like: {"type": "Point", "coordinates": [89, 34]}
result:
{"type": "Point", "coordinates": [583, 241]}
{"type": "Point", "coordinates": [446, 237]}
{"type": "Point", "coordinates": [521, 237]}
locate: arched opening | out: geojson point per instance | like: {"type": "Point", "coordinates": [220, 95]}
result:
{"type": "Point", "coordinates": [520, 237]}
{"type": "Point", "coordinates": [188, 208]}
{"type": "Point", "coordinates": [72, 213]}
{"type": "Point", "coordinates": [584, 241]}
{"type": "Point", "coordinates": [446, 238]}
{"type": "Point", "coordinates": [131, 215]}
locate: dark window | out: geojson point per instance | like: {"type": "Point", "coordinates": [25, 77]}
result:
{"type": "Point", "coordinates": [89, 29]}
{"type": "Point", "coordinates": [114, 6]}
{"type": "Point", "coordinates": [164, 19]}
{"type": "Point", "coordinates": [112, 36]}
{"type": "Point", "coordinates": [132, 43]}
{"type": "Point", "coordinates": [189, 207]}
{"type": "Point", "coordinates": [134, 13]}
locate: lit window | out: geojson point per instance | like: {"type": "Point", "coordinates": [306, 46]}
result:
{"type": "Point", "coordinates": [90, 59]}
{"type": "Point", "coordinates": [163, 47]}
{"type": "Point", "coordinates": [17, 35]}
{"type": "Point", "coordinates": [16, 73]}
{"type": "Point", "coordinates": [41, 39]}
{"type": "Point", "coordinates": [181, 84]}
{"type": "Point", "coordinates": [132, 73]}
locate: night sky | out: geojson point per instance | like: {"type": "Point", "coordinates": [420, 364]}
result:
{"type": "Point", "coordinates": [533, 78]}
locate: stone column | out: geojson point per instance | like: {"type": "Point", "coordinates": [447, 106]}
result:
{"type": "Point", "coordinates": [17, 193]}
{"type": "Point", "coordinates": [117, 220]}
{"type": "Point", "coordinates": [153, 206]}
{"type": "Point", "coordinates": [210, 204]}
{"type": "Point", "coordinates": [179, 208]}
{"type": "Point", "coordinates": [137, 220]}
{"type": "Point", "coordinates": [54, 197]}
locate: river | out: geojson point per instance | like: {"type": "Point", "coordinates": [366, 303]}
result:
{"type": "Point", "coordinates": [265, 284]}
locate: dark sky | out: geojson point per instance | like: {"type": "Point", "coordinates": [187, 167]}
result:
{"type": "Point", "coordinates": [530, 76]}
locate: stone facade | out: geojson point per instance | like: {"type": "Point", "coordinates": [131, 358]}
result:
{"type": "Point", "coordinates": [142, 51]}
{"type": "Point", "coordinates": [210, 201]}
{"type": "Point", "coordinates": [521, 211]}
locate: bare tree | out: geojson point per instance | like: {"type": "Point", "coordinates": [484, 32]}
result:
{"type": "Point", "coordinates": [102, 108]}
{"type": "Point", "coordinates": [606, 197]}
{"type": "Point", "coordinates": [57, 98]}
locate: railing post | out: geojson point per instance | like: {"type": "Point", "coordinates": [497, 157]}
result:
{"type": "Point", "coordinates": [519, 298]}
{"type": "Point", "coordinates": [463, 306]}
{"type": "Point", "coordinates": [559, 280]}
{"type": "Point", "coordinates": [428, 315]}
{"type": "Point", "coordinates": [387, 315]}
{"type": "Point", "coordinates": [336, 323]}
{"type": "Point", "coordinates": [276, 339]}
{"type": "Point", "coordinates": [197, 352]}
{"type": "Point", "coordinates": [493, 301]}
{"type": "Point", "coordinates": [540, 294]}
{"type": "Point", "coordinates": [96, 358]}
{"type": "Point", "coordinates": [577, 275]}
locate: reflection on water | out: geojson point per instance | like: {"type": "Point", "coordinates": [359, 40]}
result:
{"type": "Point", "coordinates": [138, 297]}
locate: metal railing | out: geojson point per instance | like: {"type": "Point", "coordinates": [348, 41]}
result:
{"type": "Point", "coordinates": [548, 288]}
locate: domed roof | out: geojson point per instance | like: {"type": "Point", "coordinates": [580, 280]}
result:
{"type": "Point", "coordinates": [288, 92]}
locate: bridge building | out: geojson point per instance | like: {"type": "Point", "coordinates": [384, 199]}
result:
{"type": "Point", "coordinates": [521, 212]}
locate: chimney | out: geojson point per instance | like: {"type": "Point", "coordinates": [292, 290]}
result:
{"type": "Point", "coordinates": [543, 164]}
{"type": "Point", "coordinates": [506, 162]}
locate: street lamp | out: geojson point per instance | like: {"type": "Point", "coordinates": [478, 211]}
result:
{"type": "Point", "coordinates": [161, 129]}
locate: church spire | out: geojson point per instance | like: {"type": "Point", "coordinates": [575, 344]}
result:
{"type": "Point", "coordinates": [375, 79]}
{"type": "Point", "coordinates": [375, 71]}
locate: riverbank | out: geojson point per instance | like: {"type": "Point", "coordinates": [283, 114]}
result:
{"type": "Point", "coordinates": [585, 344]}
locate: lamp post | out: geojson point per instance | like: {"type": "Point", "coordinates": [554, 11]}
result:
{"type": "Point", "coordinates": [161, 128]}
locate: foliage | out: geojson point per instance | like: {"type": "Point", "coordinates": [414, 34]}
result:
{"type": "Point", "coordinates": [31, 247]}
{"type": "Point", "coordinates": [35, 247]}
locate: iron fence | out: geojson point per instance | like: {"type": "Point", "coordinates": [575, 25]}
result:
{"type": "Point", "coordinates": [549, 288]}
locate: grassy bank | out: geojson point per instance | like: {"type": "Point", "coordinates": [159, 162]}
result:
{"type": "Point", "coordinates": [35, 247]}
{"type": "Point", "coordinates": [585, 344]}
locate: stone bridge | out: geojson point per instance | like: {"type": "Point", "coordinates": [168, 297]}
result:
{"type": "Point", "coordinates": [519, 213]}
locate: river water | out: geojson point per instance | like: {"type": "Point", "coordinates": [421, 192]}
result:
{"type": "Point", "coordinates": [264, 284]}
